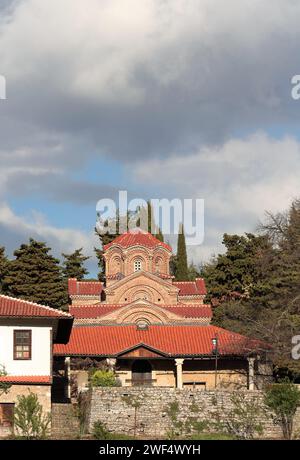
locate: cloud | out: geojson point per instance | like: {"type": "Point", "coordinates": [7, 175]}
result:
{"type": "Point", "coordinates": [238, 180]}
{"type": "Point", "coordinates": [16, 229]}
{"type": "Point", "coordinates": [137, 78]}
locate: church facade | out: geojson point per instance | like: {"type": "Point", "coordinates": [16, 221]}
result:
{"type": "Point", "coordinates": [153, 330]}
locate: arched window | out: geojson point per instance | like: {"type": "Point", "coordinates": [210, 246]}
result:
{"type": "Point", "coordinates": [158, 264]}
{"type": "Point", "coordinates": [137, 265]}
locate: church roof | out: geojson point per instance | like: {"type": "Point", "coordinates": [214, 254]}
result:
{"type": "Point", "coordinates": [170, 340]}
{"type": "Point", "coordinates": [188, 288]}
{"type": "Point", "coordinates": [97, 311]}
{"type": "Point", "coordinates": [137, 238]}
{"type": "Point", "coordinates": [93, 288]}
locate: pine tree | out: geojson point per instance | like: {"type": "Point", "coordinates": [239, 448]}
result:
{"type": "Point", "coordinates": [181, 273]}
{"type": "Point", "coordinates": [74, 265]}
{"type": "Point", "coordinates": [105, 239]}
{"type": "Point", "coordinates": [35, 275]}
{"type": "Point", "coordinates": [4, 263]}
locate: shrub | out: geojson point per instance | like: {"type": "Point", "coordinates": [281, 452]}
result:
{"type": "Point", "coordinates": [29, 419]}
{"type": "Point", "coordinates": [101, 433]}
{"type": "Point", "coordinates": [104, 378]}
{"type": "Point", "coordinates": [283, 399]}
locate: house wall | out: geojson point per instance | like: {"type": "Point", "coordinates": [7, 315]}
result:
{"type": "Point", "coordinates": [43, 393]}
{"type": "Point", "coordinates": [40, 362]}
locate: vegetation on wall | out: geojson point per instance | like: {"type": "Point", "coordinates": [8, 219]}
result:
{"type": "Point", "coordinates": [29, 420]}
{"type": "Point", "coordinates": [283, 399]}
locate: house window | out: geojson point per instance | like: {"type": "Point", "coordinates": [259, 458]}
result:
{"type": "Point", "coordinates": [22, 344]}
{"type": "Point", "coordinates": [137, 265]}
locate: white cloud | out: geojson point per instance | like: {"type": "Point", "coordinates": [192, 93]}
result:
{"type": "Point", "coordinates": [36, 226]}
{"type": "Point", "coordinates": [239, 181]}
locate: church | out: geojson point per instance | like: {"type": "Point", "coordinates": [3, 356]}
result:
{"type": "Point", "coordinates": [153, 330]}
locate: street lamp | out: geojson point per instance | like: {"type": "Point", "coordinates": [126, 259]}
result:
{"type": "Point", "coordinates": [214, 342]}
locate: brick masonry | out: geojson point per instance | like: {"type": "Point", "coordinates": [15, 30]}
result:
{"type": "Point", "coordinates": [115, 408]}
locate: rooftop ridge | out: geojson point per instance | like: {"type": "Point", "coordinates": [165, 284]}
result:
{"type": "Point", "coordinates": [46, 307]}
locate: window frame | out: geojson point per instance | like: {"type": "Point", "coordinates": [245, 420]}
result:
{"type": "Point", "coordinates": [140, 263]}
{"type": "Point", "coordinates": [16, 358]}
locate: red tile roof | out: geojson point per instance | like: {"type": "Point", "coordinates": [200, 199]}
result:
{"type": "Point", "coordinates": [36, 379]}
{"type": "Point", "coordinates": [84, 287]}
{"type": "Point", "coordinates": [98, 310]}
{"type": "Point", "coordinates": [170, 340]}
{"type": "Point", "coordinates": [137, 238]}
{"type": "Point", "coordinates": [10, 306]}
{"type": "Point", "coordinates": [190, 311]}
{"type": "Point", "coordinates": [93, 311]}
{"type": "Point", "coordinates": [196, 287]}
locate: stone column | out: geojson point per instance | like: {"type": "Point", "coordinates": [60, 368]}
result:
{"type": "Point", "coordinates": [111, 362]}
{"type": "Point", "coordinates": [251, 373]}
{"type": "Point", "coordinates": [179, 363]}
{"type": "Point", "coordinates": [68, 376]}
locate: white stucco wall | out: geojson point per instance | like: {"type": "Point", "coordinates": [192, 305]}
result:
{"type": "Point", "coordinates": [40, 362]}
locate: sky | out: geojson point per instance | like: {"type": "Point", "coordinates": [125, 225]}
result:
{"type": "Point", "coordinates": [162, 98]}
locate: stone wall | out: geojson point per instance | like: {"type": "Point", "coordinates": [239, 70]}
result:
{"type": "Point", "coordinates": [115, 408]}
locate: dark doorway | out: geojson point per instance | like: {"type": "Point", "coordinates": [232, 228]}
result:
{"type": "Point", "coordinates": [141, 373]}
{"type": "Point", "coordinates": [6, 419]}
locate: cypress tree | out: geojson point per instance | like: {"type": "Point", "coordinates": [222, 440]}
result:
{"type": "Point", "coordinates": [35, 275]}
{"type": "Point", "coordinates": [105, 239]}
{"type": "Point", "coordinates": [74, 265]}
{"type": "Point", "coordinates": [151, 222]}
{"type": "Point", "coordinates": [181, 272]}
{"type": "Point", "coordinates": [3, 269]}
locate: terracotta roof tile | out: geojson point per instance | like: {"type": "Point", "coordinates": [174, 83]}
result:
{"type": "Point", "coordinates": [93, 311]}
{"type": "Point", "coordinates": [42, 379]}
{"type": "Point", "coordinates": [84, 287]}
{"type": "Point", "coordinates": [190, 311]}
{"type": "Point", "coordinates": [137, 237]}
{"type": "Point", "coordinates": [10, 306]}
{"type": "Point", "coordinates": [172, 340]}
{"type": "Point", "coordinates": [188, 288]}
{"type": "Point", "coordinates": [99, 310]}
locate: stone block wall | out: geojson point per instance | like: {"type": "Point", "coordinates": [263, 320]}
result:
{"type": "Point", "coordinates": [114, 407]}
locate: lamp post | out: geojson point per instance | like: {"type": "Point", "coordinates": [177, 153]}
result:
{"type": "Point", "coordinates": [214, 342]}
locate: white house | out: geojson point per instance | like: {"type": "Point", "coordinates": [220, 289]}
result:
{"type": "Point", "coordinates": [27, 334]}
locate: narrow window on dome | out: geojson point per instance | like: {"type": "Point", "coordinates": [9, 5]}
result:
{"type": "Point", "coordinates": [137, 265]}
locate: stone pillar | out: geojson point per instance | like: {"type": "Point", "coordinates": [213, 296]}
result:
{"type": "Point", "coordinates": [179, 363]}
{"type": "Point", "coordinates": [251, 373]}
{"type": "Point", "coordinates": [111, 362]}
{"type": "Point", "coordinates": [68, 376]}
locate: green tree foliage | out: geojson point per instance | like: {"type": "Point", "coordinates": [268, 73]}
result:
{"type": "Point", "coordinates": [4, 386]}
{"type": "Point", "coordinates": [181, 264]}
{"type": "Point", "coordinates": [29, 419]}
{"type": "Point", "coordinates": [104, 378]}
{"type": "Point", "coordinates": [35, 275]}
{"type": "Point", "coordinates": [283, 400]}
{"type": "Point", "coordinates": [4, 263]}
{"type": "Point", "coordinates": [193, 272]}
{"type": "Point", "coordinates": [104, 239]}
{"type": "Point", "coordinates": [255, 285]}
{"type": "Point", "coordinates": [73, 265]}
